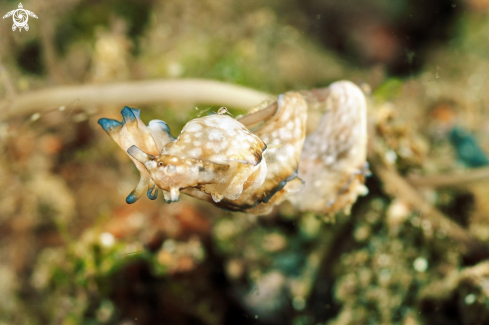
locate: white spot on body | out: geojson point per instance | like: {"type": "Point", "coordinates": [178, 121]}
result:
{"type": "Point", "coordinates": [290, 150]}
{"type": "Point", "coordinates": [328, 160]}
{"type": "Point", "coordinates": [297, 132]}
{"type": "Point", "coordinates": [215, 135]}
{"type": "Point", "coordinates": [282, 158]}
{"type": "Point", "coordinates": [284, 134]}
{"type": "Point", "coordinates": [195, 153]}
{"type": "Point", "coordinates": [224, 145]}
{"type": "Point", "coordinates": [275, 142]}
{"type": "Point", "coordinates": [192, 127]}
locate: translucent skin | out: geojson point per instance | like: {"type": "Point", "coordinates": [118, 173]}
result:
{"type": "Point", "coordinates": [216, 158]}
{"type": "Point", "coordinates": [333, 161]}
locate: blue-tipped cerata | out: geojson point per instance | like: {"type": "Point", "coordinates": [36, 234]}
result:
{"type": "Point", "coordinates": [130, 114]}
{"type": "Point", "coordinates": [162, 126]}
{"type": "Point", "coordinates": [109, 124]}
{"type": "Point", "coordinates": [153, 193]}
{"type": "Point", "coordinates": [131, 198]}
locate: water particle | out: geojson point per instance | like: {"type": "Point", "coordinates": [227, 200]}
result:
{"type": "Point", "coordinates": [470, 299]}
{"type": "Point", "coordinates": [391, 156]}
{"type": "Point", "coordinates": [107, 239]}
{"type": "Point", "coordinates": [420, 264]}
{"type": "Point", "coordinates": [222, 111]}
{"type": "Point", "coordinates": [35, 116]}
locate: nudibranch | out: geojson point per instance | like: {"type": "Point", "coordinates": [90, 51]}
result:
{"type": "Point", "coordinates": [218, 159]}
{"type": "Point", "coordinates": [214, 154]}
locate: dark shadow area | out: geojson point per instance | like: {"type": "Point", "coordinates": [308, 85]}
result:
{"type": "Point", "coordinates": [394, 34]}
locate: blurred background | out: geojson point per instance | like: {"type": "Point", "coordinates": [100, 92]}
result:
{"type": "Point", "coordinates": [413, 251]}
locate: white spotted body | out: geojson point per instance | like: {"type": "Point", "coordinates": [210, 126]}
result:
{"type": "Point", "coordinates": [277, 178]}
{"type": "Point", "coordinates": [215, 154]}
{"type": "Point", "coordinates": [216, 158]}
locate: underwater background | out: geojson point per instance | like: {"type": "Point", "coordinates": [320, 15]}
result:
{"type": "Point", "coordinates": [413, 251]}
